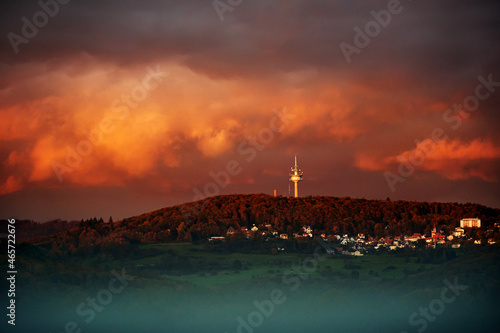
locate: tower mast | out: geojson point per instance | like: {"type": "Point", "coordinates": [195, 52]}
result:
{"type": "Point", "coordinates": [296, 177]}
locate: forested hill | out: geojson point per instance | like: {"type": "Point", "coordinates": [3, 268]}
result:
{"type": "Point", "coordinates": [27, 229]}
{"type": "Point", "coordinates": [331, 215]}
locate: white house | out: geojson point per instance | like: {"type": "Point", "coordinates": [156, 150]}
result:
{"type": "Point", "coordinates": [470, 223]}
{"type": "Point", "coordinates": [459, 232]}
{"type": "Point", "coordinates": [307, 229]}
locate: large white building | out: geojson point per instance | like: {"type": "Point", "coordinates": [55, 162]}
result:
{"type": "Point", "coordinates": [470, 223]}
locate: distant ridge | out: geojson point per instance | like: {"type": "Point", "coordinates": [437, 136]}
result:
{"type": "Point", "coordinates": [213, 216]}
{"type": "Point", "coordinates": [27, 229]}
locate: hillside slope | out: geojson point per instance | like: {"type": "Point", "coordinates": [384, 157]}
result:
{"type": "Point", "coordinates": [326, 215]}
{"type": "Point", "coordinates": [213, 216]}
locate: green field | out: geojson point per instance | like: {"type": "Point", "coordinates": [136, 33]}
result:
{"type": "Point", "coordinates": [217, 269]}
{"type": "Point", "coordinates": [177, 284]}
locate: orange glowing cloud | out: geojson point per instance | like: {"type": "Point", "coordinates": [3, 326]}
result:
{"type": "Point", "coordinates": [12, 184]}
{"type": "Point", "coordinates": [453, 159]}
{"type": "Point", "coordinates": [367, 162]}
{"type": "Point", "coordinates": [44, 153]}
{"type": "Point", "coordinates": [86, 128]}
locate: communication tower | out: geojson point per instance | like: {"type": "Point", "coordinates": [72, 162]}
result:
{"type": "Point", "coordinates": [296, 177]}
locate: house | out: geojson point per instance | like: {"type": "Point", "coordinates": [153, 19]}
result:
{"type": "Point", "coordinates": [459, 232]}
{"type": "Point", "coordinates": [414, 238]}
{"type": "Point", "coordinates": [246, 232]}
{"type": "Point", "coordinates": [470, 223]}
{"type": "Point", "coordinates": [360, 241]}
{"type": "Point", "coordinates": [221, 238]}
{"type": "Point", "coordinates": [230, 231]}
{"type": "Point", "coordinates": [438, 238]}
{"type": "Point", "coordinates": [307, 230]}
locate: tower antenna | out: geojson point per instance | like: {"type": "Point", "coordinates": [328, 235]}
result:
{"type": "Point", "coordinates": [296, 177]}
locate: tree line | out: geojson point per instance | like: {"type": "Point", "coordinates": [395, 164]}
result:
{"type": "Point", "coordinates": [215, 215]}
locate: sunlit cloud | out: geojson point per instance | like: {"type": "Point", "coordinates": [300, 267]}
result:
{"type": "Point", "coordinates": [12, 184]}
{"type": "Point", "coordinates": [453, 159]}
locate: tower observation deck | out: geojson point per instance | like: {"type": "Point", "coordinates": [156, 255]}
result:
{"type": "Point", "coordinates": [296, 177]}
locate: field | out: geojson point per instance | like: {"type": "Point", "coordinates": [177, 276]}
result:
{"type": "Point", "coordinates": [219, 269]}
{"type": "Point", "coordinates": [186, 287]}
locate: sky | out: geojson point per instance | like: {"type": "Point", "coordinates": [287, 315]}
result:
{"type": "Point", "coordinates": [117, 108]}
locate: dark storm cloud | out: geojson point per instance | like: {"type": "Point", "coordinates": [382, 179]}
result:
{"type": "Point", "coordinates": [260, 38]}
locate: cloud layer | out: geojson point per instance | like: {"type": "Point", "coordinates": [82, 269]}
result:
{"type": "Point", "coordinates": [82, 110]}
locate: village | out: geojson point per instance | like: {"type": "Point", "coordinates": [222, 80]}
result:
{"type": "Point", "coordinates": [362, 244]}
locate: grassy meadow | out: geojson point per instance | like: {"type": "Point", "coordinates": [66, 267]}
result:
{"type": "Point", "coordinates": [185, 287]}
